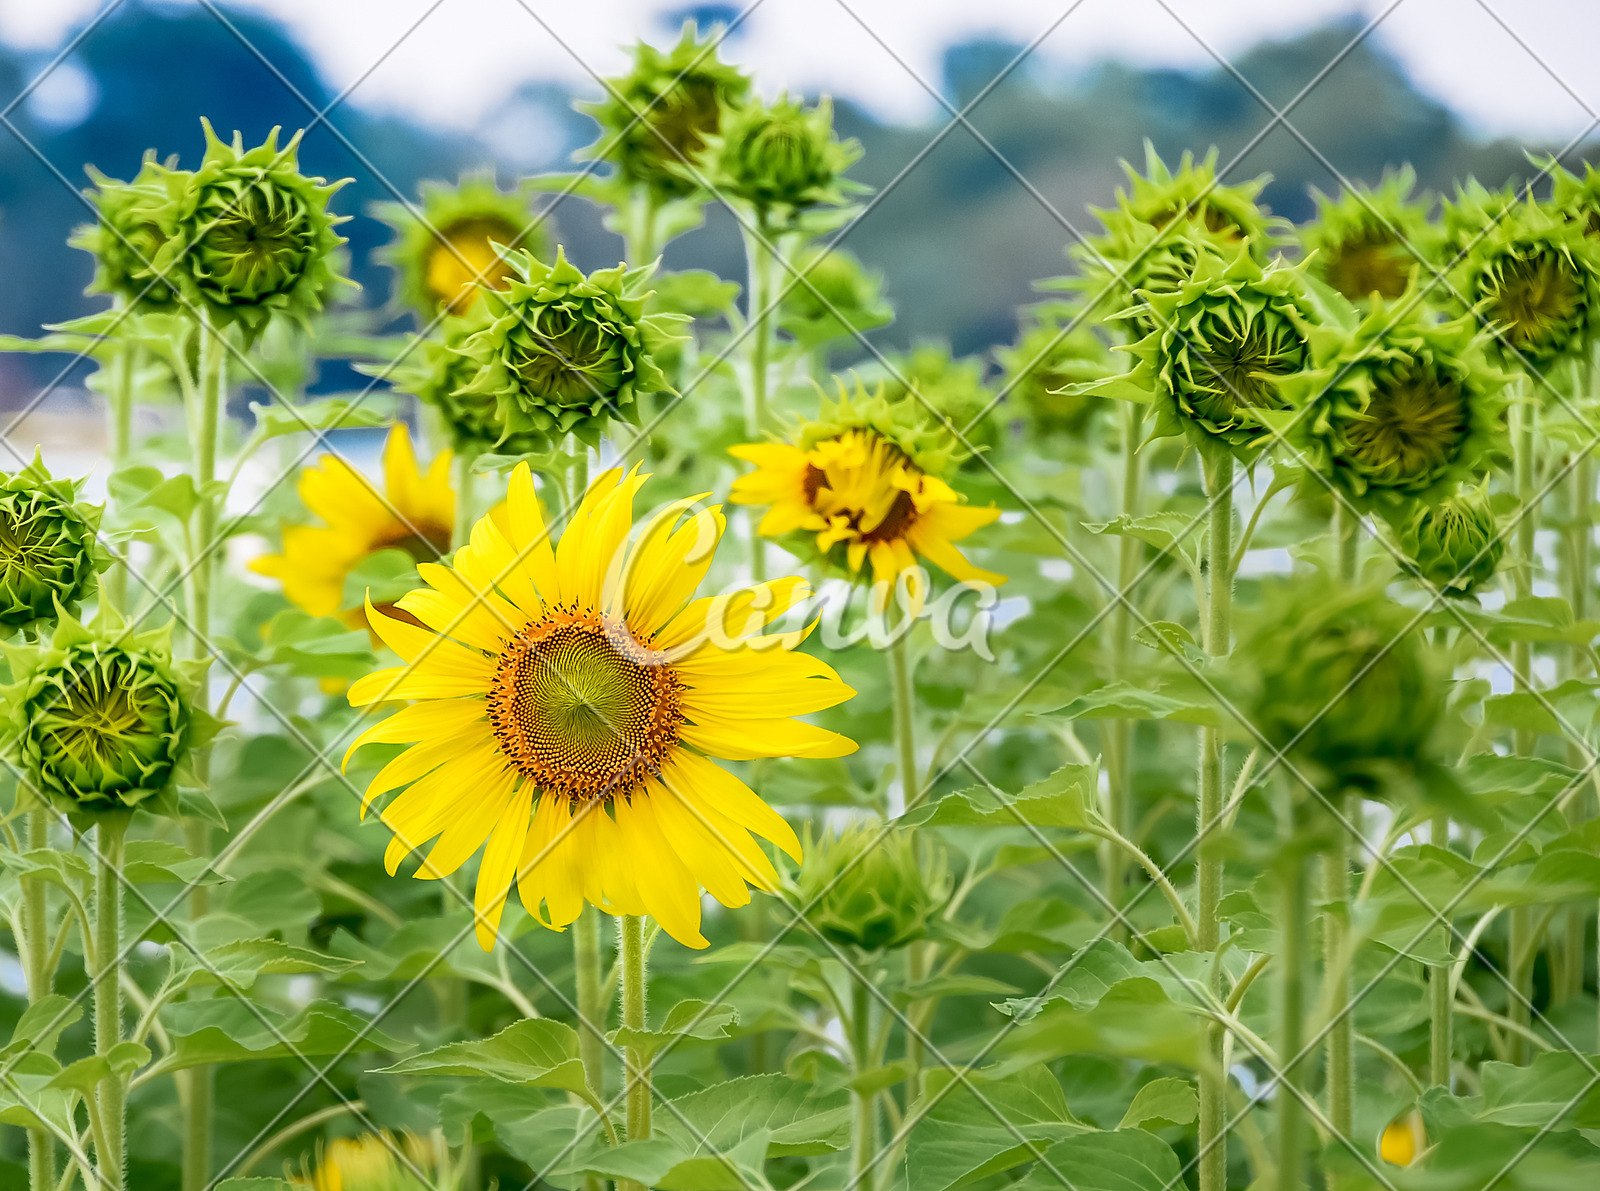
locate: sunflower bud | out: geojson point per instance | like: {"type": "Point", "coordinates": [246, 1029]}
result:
{"type": "Point", "coordinates": [1576, 199]}
{"type": "Point", "coordinates": [560, 353]}
{"type": "Point", "coordinates": [1222, 345]}
{"type": "Point", "coordinates": [1455, 544]}
{"type": "Point", "coordinates": [1403, 1139]}
{"type": "Point", "coordinates": [49, 555]}
{"type": "Point", "coordinates": [783, 157]}
{"type": "Point", "coordinates": [1368, 241]}
{"type": "Point", "coordinates": [1326, 666]}
{"type": "Point", "coordinates": [127, 235]}
{"type": "Point", "coordinates": [441, 253]}
{"type": "Point", "coordinates": [104, 719]}
{"type": "Point", "coordinates": [375, 1162]}
{"type": "Point", "coordinates": [951, 392]}
{"type": "Point", "coordinates": [1534, 276]}
{"type": "Point", "coordinates": [247, 235]}
{"type": "Point", "coordinates": [871, 892]}
{"type": "Point", "coordinates": [831, 296]}
{"type": "Point", "coordinates": [656, 119]}
{"type": "Point", "coordinates": [1048, 358]}
{"type": "Point", "coordinates": [1403, 406]}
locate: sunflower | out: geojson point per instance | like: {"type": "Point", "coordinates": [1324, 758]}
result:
{"type": "Point", "coordinates": [1403, 1139]}
{"type": "Point", "coordinates": [1369, 241]}
{"type": "Point", "coordinates": [864, 483]}
{"type": "Point", "coordinates": [414, 512]}
{"type": "Point", "coordinates": [372, 1162]}
{"type": "Point", "coordinates": [569, 702]}
{"type": "Point", "coordinates": [443, 251]}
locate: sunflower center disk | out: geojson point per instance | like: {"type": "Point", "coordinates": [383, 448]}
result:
{"type": "Point", "coordinates": [1415, 424]}
{"type": "Point", "coordinates": [582, 709]}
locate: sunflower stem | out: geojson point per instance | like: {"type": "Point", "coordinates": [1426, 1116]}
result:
{"type": "Point", "coordinates": [864, 1152]}
{"type": "Point", "coordinates": [461, 532]}
{"type": "Point", "coordinates": [1442, 1017]}
{"type": "Point", "coordinates": [119, 436]}
{"type": "Point", "coordinates": [1122, 731]}
{"type": "Point", "coordinates": [1218, 631]}
{"type": "Point", "coordinates": [1291, 1022]}
{"type": "Point", "coordinates": [110, 1093]}
{"type": "Point", "coordinates": [905, 728]}
{"type": "Point", "coordinates": [759, 264]}
{"type": "Point", "coordinates": [196, 1084]}
{"type": "Point", "coordinates": [1340, 1074]}
{"type": "Point", "coordinates": [591, 1005]}
{"type": "Point", "coordinates": [41, 982]}
{"type": "Point", "coordinates": [630, 942]}
{"type": "Point", "coordinates": [640, 242]}
{"type": "Point", "coordinates": [1524, 444]}
{"type": "Point", "coordinates": [1568, 982]}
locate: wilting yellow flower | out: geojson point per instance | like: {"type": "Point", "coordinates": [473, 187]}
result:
{"type": "Point", "coordinates": [861, 496]}
{"type": "Point", "coordinates": [1403, 1139]}
{"type": "Point", "coordinates": [414, 511]}
{"type": "Point", "coordinates": [569, 700]}
{"type": "Point", "coordinates": [373, 1162]}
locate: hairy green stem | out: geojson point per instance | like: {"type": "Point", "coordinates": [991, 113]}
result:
{"type": "Point", "coordinates": [196, 1085]}
{"type": "Point", "coordinates": [111, 1092]}
{"type": "Point", "coordinates": [119, 436]}
{"type": "Point", "coordinates": [759, 260]}
{"type": "Point", "coordinates": [41, 983]}
{"type": "Point", "coordinates": [905, 728]}
{"type": "Point", "coordinates": [640, 242]}
{"type": "Point", "coordinates": [1120, 754]}
{"type": "Point", "coordinates": [1441, 1023]}
{"type": "Point", "coordinates": [1524, 443]}
{"type": "Point", "coordinates": [1213, 1080]}
{"type": "Point", "coordinates": [591, 1009]}
{"type": "Point", "coordinates": [630, 945]}
{"type": "Point", "coordinates": [864, 1151]}
{"type": "Point", "coordinates": [1340, 1074]}
{"type": "Point", "coordinates": [1291, 1026]}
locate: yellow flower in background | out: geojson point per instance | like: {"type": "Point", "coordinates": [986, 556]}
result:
{"type": "Point", "coordinates": [414, 511]}
{"type": "Point", "coordinates": [861, 493]}
{"type": "Point", "coordinates": [569, 702]}
{"type": "Point", "coordinates": [372, 1162]}
{"type": "Point", "coordinates": [1403, 1139]}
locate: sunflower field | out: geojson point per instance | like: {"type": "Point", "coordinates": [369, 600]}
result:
{"type": "Point", "coordinates": [650, 737]}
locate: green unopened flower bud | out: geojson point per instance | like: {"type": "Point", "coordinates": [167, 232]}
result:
{"type": "Point", "coordinates": [1574, 198]}
{"type": "Point", "coordinates": [1535, 276]}
{"type": "Point", "coordinates": [1040, 370]}
{"type": "Point", "coordinates": [1370, 241]}
{"type": "Point", "coordinates": [1338, 676]}
{"type": "Point", "coordinates": [1402, 406]}
{"type": "Point", "coordinates": [950, 391]}
{"type": "Point", "coordinates": [833, 296]}
{"type": "Point", "coordinates": [49, 554]}
{"type": "Point", "coordinates": [437, 370]}
{"type": "Point", "coordinates": [872, 893]}
{"type": "Point", "coordinates": [783, 157]}
{"type": "Point", "coordinates": [444, 251]}
{"type": "Point", "coordinates": [656, 119]}
{"type": "Point", "coordinates": [248, 236]}
{"type": "Point", "coordinates": [104, 719]}
{"type": "Point", "coordinates": [127, 235]}
{"type": "Point", "coordinates": [1456, 544]}
{"type": "Point", "coordinates": [1222, 345]}
{"type": "Point", "coordinates": [560, 353]}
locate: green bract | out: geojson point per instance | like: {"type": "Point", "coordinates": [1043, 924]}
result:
{"type": "Point", "coordinates": [1535, 277]}
{"type": "Point", "coordinates": [1223, 343]}
{"type": "Point", "coordinates": [1336, 676]}
{"type": "Point", "coordinates": [104, 719]}
{"type": "Point", "coordinates": [1402, 406]}
{"type": "Point", "coordinates": [1455, 544]}
{"type": "Point", "coordinates": [1045, 369]}
{"type": "Point", "coordinates": [947, 388]}
{"type": "Point", "coordinates": [436, 370]}
{"type": "Point", "coordinates": [442, 252]}
{"type": "Point", "coordinates": [781, 158]}
{"type": "Point", "coordinates": [49, 554]}
{"type": "Point", "coordinates": [560, 353]}
{"type": "Point", "coordinates": [247, 235]}
{"type": "Point", "coordinates": [871, 892]}
{"type": "Point", "coordinates": [1466, 218]}
{"type": "Point", "coordinates": [655, 120]}
{"type": "Point", "coordinates": [1575, 198]}
{"type": "Point", "coordinates": [1370, 241]}
{"type": "Point", "coordinates": [829, 296]}
{"type": "Point", "coordinates": [127, 235]}
{"type": "Point", "coordinates": [903, 421]}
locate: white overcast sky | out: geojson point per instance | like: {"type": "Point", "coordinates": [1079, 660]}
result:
{"type": "Point", "coordinates": [1522, 67]}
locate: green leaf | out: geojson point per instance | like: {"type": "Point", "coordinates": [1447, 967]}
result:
{"type": "Point", "coordinates": [537, 1053]}
{"type": "Point", "coordinates": [121, 1061]}
{"type": "Point", "coordinates": [257, 1184]}
{"type": "Point", "coordinates": [1184, 535]}
{"type": "Point", "coordinates": [1135, 1018]}
{"type": "Point", "coordinates": [795, 1119]}
{"type": "Point", "coordinates": [1160, 1103]}
{"type": "Point", "coordinates": [153, 860]}
{"type": "Point", "coordinates": [238, 963]}
{"type": "Point", "coordinates": [225, 1030]}
{"type": "Point", "coordinates": [41, 1024]}
{"type": "Point", "coordinates": [1124, 701]}
{"type": "Point", "coordinates": [1127, 1160]}
{"type": "Point", "coordinates": [1558, 1089]}
{"type": "Point", "coordinates": [1057, 801]}
{"type": "Point", "coordinates": [973, 1132]}
{"type": "Point", "coordinates": [957, 984]}
{"type": "Point", "coordinates": [687, 1019]}
{"type": "Point", "coordinates": [327, 413]}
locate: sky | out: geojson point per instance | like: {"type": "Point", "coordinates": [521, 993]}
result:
{"type": "Point", "coordinates": [1516, 67]}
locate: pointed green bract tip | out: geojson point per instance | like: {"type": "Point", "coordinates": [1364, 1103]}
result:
{"type": "Point", "coordinates": [869, 888]}
{"type": "Point", "coordinates": [50, 555]}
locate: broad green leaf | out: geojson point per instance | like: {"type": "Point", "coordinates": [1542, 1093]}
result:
{"type": "Point", "coordinates": [239, 962]}
{"type": "Point", "coordinates": [1126, 1160]}
{"type": "Point", "coordinates": [792, 1117]}
{"type": "Point", "coordinates": [1160, 1103]}
{"type": "Point", "coordinates": [61, 868]}
{"type": "Point", "coordinates": [1484, 1154]}
{"type": "Point", "coordinates": [225, 1030]}
{"type": "Point", "coordinates": [981, 1126]}
{"type": "Point", "coordinates": [1057, 801]}
{"type": "Point", "coordinates": [698, 1020]}
{"type": "Point", "coordinates": [957, 984]}
{"type": "Point", "coordinates": [41, 1024]}
{"type": "Point", "coordinates": [327, 413]}
{"type": "Point", "coordinates": [121, 1060]}
{"type": "Point", "coordinates": [1537, 619]}
{"type": "Point", "coordinates": [1183, 535]}
{"type": "Point", "coordinates": [1135, 1018]}
{"type": "Point", "coordinates": [1558, 1089]}
{"type": "Point", "coordinates": [153, 860]}
{"type": "Point", "coordinates": [1124, 701]}
{"type": "Point", "coordinates": [257, 1184]}
{"type": "Point", "coordinates": [538, 1052]}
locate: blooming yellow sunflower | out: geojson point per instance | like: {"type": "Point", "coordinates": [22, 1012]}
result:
{"type": "Point", "coordinates": [372, 1162]}
{"type": "Point", "coordinates": [414, 512]}
{"type": "Point", "coordinates": [569, 702]}
{"type": "Point", "coordinates": [864, 491]}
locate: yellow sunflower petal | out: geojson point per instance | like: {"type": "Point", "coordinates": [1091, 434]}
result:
{"type": "Point", "coordinates": [400, 682]}
{"type": "Point", "coordinates": [436, 718]}
{"type": "Point", "coordinates": [427, 652]}
{"type": "Point", "coordinates": [500, 865]}
{"type": "Point", "coordinates": [723, 792]}
{"type": "Point", "coordinates": [667, 565]}
{"type": "Point", "coordinates": [746, 739]}
{"type": "Point", "coordinates": [709, 861]}
{"type": "Point", "coordinates": [530, 536]}
{"type": "Point", "coordinates": [416, 761]}
{"type": "Point", "coordinates": [726, 618]}
{"type": "Point", "coordinates": [471, 825]}
{"type": "Point", "coordinates": [668, 892]}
